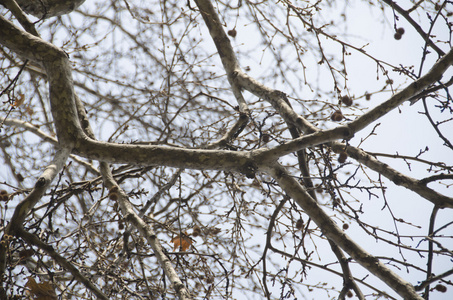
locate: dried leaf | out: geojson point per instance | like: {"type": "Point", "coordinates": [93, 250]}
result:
{"type": "Point", "coordinates": [184, 242]}
{"type": "Point", "coordinates": [40, 291]}
{"type": "Point", "coordinates": [19, 100]}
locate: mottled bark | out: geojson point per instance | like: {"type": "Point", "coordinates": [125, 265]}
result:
{"type": "Point", "coordinates": [48, 8]}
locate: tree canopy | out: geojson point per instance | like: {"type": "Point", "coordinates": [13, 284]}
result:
{"type": "Point", "coordinates": [226, 149]}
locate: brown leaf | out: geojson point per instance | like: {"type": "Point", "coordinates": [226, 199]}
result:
{"type": "Point", "coordinates": [19, 100]}
{"type": "Point", "coordinates": [40, 291]}
{"type": "Point", "coordinates": [184, 242]}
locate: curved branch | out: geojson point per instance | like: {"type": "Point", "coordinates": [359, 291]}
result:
{"type": "Point", "coordinates": [268, 245]}
{"type": "Point", "coordinates": [20, 16]}
{"type": "Point", "coordinates": [50, 139]}
{"type": "Point", "coordinates": [69, 130]}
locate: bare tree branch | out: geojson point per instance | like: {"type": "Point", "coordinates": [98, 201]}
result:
{"type": "Point", "coordinates": [334, 233]}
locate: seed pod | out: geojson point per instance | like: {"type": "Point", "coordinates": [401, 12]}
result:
{"type": "Point", "coordinates": [299, 224]}
{"type": "Point", "coordinates": [346, 100]}
{"type": "Point", "coordinates": [232, 32]}
{"type": "Point", "coordinates": [113, 189]}
{"type": "Point", "coordinates": [319, 189]}
{"type": "Point", "coordinates": [4, 195]}
{"type": "Point", "coordinates": [210, 279]}
{"type": "Point", "coordinates": [342, 157]}
{"type": "Point", "coordinates": [113, 193]}
{"type": "Point", "coordinates": [196, 231]}
{"type": "Point", "coordinates": [337, 116]}
{"type": "Point", "coordinates": [441, 288]}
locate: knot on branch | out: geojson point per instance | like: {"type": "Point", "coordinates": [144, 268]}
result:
{"type": "Point", "coordinates": [40, 183]}
{"type": "Point", "coordinates": [277, 94]}
{"type": "Point", "coordinates": [249, 169]}
{"type": "Point", "coordinates": [234, 75]}
{"type": "Point", "coordinates": [130, 218]}
{"type": "Point", "coordinates": [347, 132]}
{"type": "Point", "coordinates": [397, 179]}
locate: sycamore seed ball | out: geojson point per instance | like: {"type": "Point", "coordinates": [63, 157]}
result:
{"type": "Point", "coordinates": [337, 116]}
{"type": "Point", "coordinates": [401, 30]}
{"type": "Point", "coordinates": [342, 157]}
{"type": "Point", "coordinates": [346, 100]}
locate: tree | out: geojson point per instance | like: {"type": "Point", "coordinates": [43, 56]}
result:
{"type": "Point", "coordinates": [216, 149]}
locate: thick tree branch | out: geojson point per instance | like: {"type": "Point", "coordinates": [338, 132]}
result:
{"type": "Point", "coordinates": [50, 139]}
{"type": "Point", "coordinates": [136, 219]}
{"type": "Point", "coordinates": [49, 8]}
{"type": "Point", "coordinates": [224, 48]}
{"type": "Point", "coordinates": [433, 75]}
{"type": "Point", "coordinates": [70, 133]}
{"type": "Point", "coordinates": [309, 140]}
{"type": "Point", "coordinates": [396, 177]}
{"type": "Point", "coordinates": [20, 16]}
{"type": "Point", "coordinates": [293, 188]}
